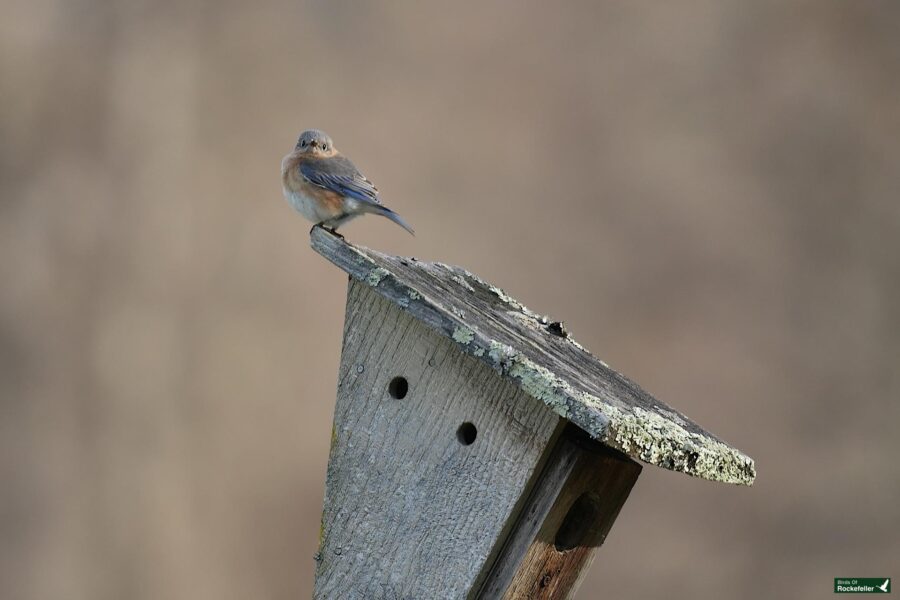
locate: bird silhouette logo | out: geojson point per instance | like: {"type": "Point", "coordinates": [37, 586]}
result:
{"type": "Point", "coordinates": [885, 587]}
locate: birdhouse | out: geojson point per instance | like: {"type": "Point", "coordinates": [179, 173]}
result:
{"type": "Point", "coordinates": [478, 451]}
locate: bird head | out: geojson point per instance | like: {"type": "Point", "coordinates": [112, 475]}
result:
{"type": "Point", "coordinates": [316, 142]}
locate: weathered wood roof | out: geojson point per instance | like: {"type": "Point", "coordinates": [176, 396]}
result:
{"type": "Point", "coordinates": [543, 359]}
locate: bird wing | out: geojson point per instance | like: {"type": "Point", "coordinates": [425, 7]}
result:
{"type": "Point", "coordinates": [338, 174]}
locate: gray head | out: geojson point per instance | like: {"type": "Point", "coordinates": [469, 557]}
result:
{"type": "Point", "coordinates": [315, 141]}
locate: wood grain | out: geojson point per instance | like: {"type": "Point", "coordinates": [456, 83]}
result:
{"type": "Point", "coordinates": [410, 511]}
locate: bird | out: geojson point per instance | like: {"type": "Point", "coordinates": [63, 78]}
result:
{"type": "Point", "coordinates": [326, 188]}
{"type": "Point", "coordinates": [884, 586]}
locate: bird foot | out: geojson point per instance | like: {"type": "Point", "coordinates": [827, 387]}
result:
{"type": "Point", "coordinates": [331, 230]}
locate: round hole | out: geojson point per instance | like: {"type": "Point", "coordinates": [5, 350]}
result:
{"type": "Point", "coordinates": [398, 387]}
{"type": "Point", "coordinates": [581, 525]}
{"type": "Point", "coordinates": [466, 433]}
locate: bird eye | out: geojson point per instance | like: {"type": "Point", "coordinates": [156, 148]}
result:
{"type": "Point", "coordinates": [303, 144]}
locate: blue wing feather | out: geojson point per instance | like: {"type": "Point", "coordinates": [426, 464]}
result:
{"type": "Point", "coordinates": [339, 175]}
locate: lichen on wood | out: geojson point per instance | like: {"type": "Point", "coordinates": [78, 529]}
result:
{"type": "Point", "coordinates": [463, 335]}
{"type": "Point", "coordinates": [376, 275]}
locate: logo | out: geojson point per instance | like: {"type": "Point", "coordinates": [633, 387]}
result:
{"type": "Point", "coordinates": [862, 585]}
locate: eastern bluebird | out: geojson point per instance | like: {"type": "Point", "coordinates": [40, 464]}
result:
{"type": "Point", "coordinates": [325, 187]}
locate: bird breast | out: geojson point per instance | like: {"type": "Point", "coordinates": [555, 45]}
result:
{"type": "Point", "coordinates": [313, 202]}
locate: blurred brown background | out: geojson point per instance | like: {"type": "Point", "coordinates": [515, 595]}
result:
{"type": "Point", "coordinates": [709, 195]}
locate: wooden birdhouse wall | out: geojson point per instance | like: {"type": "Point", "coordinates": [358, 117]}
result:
{"type": "Point", "coordinates": [432, 455]}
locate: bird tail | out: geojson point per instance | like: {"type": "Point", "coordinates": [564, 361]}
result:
{"type": "Point", "coordinates": [384, 211]}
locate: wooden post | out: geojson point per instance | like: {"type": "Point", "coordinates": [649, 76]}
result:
{"type": "Point", "coordinates": [477, 450]}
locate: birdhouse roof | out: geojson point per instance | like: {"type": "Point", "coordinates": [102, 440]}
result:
{"type": "Point", "coordinates": [543, 359]}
